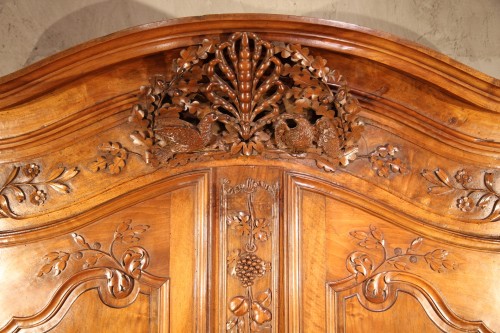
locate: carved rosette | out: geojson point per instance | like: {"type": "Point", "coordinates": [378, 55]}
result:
{"type": "Point", "coordinates": [247, 96]}
{"type": "Point", "coordinates": [250, 225]}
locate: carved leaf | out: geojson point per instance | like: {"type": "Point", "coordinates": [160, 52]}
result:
{"type": "Point", "coordinates": [265, 297]}
{"type": "Point", "coordinates": [231, 323]}
{"type": "Point", "coordinates": [495, 213]}
{"type": "Point", "coordinates": [376, 233]}
{"type": "Point", "coordinates": [55, 174]}
{"type": "Point", "coordinates": [99, 164]}
{"type": "Point", "coordinates": [125, 225]}
{"type": "Point", "coordinates": [18, 193]}
{"type": "Point", "coordinates": [439, 190]}
{"type": "Point", "coordinates": [68, 174]}
{"type": "Point", "coordinates": [415, 244]}
{"type": "Point", "coordinates": [360, 264]}
{"type": "Point", "coordinates": [398, 264]}
{"type": "Point", "coordinates": [117, 165]}
{"type": "Point", "coordinates": [4, 207]}
{"type": "Point", "coordinates": [12, 175]}
{"type": "Point", "coordinates": [443, 177]}
{"type": "Point", "coordinates": [92, 260]}
{"type": "Point", "coordinates": [488, 181]}
{"type": "Point", "coordinates": [359, 234]}
{"type": "Point", "coordinates": [80, 241]}
{"type": "Point", "coordinates": [59, 187]}
{"type": "Point", "coordinates": [485, 200]}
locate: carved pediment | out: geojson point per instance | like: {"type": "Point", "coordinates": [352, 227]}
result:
{"type": "Point", "coordinates": [247, 96]}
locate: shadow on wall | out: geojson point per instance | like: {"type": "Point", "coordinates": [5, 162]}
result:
{"type": "Point", "coordinates": [91, 22]}
{"type": "Point", "coordinates": [110, 16]}
{"type": "Point", "coordinates": [375, 23]}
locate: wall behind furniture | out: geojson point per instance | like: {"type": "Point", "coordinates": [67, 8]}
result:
{"type": "Point", "coordinates": [466, 30]}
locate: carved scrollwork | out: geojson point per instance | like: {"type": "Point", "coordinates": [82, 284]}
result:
{"type": "Point", "coordinates": [23, 183]}
{"type": "Point", "coordinates": [378, 274]}
{"type": "Point", "coordinates": [481, 197]}
{"type": "Point", "coordinates": [118, 278]}
{"type": "Point", "coordinates": [123, 271]}
{"type": "Point", "coordinates": [250, 311]}
{"type": "Point", "coordinates": [247, 96]}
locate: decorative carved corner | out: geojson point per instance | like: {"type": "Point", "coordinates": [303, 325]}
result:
{"type": "Point", "coordinates": [473, 198]}
{"type": "Point", "coordinates": [250, 214]}
{"type": "Point", "coordinates": [118, 278]}
{"type": "Point", "coordinates": [23, 183]}
{"type": "Point", "coordinates": [377, 275]}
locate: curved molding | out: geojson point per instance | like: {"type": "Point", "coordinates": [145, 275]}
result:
{"type": "Point", "coordinates": [71, 289]}
{"type": "Point", "coordinates": [430, 299]}
{"type": "Point", "coordinates": [422, 62]}
{"type": "Point", "coordinates": [377, 277]}
{"type": "Point", "coordinates": [118, 282]}
{"type": "Point", "coordinates": [91, 213]}
{"type": "Point", "coordinates": [404, 216]}
{"type": "Point", "coordinates": [423, 65]}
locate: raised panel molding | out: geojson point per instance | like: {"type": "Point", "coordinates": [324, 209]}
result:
{"type": "Point", "coordinates": [376, 283]}
{"type": "Point", "coordinates": [249, 173]}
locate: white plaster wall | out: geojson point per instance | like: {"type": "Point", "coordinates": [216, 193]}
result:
{"type": "Point", "coordinates": [466, 30]}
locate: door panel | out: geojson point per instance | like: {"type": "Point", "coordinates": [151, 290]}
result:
{"type": "Point", "coordinates": [249, 173]}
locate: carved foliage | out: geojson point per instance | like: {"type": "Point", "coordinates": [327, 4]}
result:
{"type": "Point", "coordinates": [472, 197]}
{"type": "Point", "coordinates": [369, 270]}
{"type": "Point", "coordinates": [247, 96]}
{"type": "Point", "coordinates": [121, 270]}
{"type": "Point", "coordinates": [24, 183]}
{"type": "Point", "coordinates": [250, 311]}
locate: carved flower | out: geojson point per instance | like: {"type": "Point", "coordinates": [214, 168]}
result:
{"type": "Point", "coordinates": [38, 197]}
{"type": "Point", "coordinates": [31, 170]}
{"type": "Point", "coordinates": [465, 204]}
{"type": "Point", "coordinates": [463, 177]}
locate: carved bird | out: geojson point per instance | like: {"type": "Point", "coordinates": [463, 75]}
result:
{"type": "Point", "coordinates": [327, 137]}
{"type": "Point", "coordinates": [299, 137]}
{"type": "Point", "coordinates": [178, 136]}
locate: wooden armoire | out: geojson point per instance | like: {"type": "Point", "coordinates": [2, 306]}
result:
{"type": "Point", "coordinates": [249, 173]}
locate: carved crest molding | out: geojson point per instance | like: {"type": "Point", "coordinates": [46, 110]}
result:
{"type": "Point", "coordinates": [247, 96]}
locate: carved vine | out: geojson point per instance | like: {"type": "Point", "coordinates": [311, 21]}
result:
{"type": "Point", "coordinates": [473, 197]}
{"type": "Point", "coordinates": [247, 96]}
{"type": "Point", "coordinates": [122, 270]}
{"type": "Point", "coordinates": [250, 312]}
{"type": "Point", "coordinates": [371, 273]}
{"type": "Point", "coordinates": [24, 183]}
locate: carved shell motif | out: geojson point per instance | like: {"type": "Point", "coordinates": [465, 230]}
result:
{"type": "Point", "coordinates": [247, 96]}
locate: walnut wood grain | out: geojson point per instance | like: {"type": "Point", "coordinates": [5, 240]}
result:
{"type": "Point", "coordinates": [249, 172]}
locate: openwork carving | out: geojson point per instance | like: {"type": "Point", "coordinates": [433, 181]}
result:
{"type": "Point", "coordinates": [23, 183]}
{"type": "Point", "coordinates": [247, 96]}
{"type": "Point", "coordinates": [377, 275]}
{"type": "Point", "coordinates": [473, 197]}
{"type": "Point", "coordinates": [251, 229]}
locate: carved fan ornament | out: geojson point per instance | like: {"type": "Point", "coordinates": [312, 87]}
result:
{"type": "Point", "coordinates": [247, 96]}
